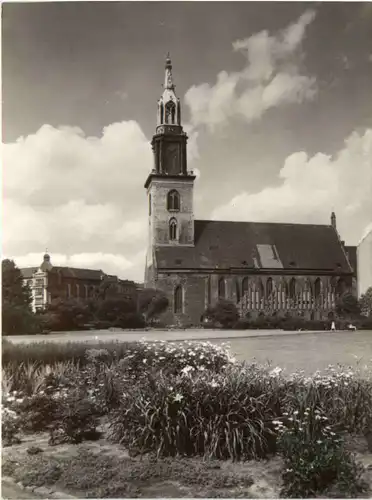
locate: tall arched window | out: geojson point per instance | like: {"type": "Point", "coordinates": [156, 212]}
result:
{"type": "Point", "coordinates": [173, 230]}
{"type": "Point", "coordinates": [317, 288]}
{"type": "Point", "coordinates": [269, 287]}
{"type": "Point", "coordinates": [237, 287]}
{"type": "Point", "coordinates": [170, 111]}
{"type": "Point", "coordinates": [221, 288]}
{"type": "Point", "coordinates": [261, 290]}
{"type": "Point", "coordinates": [173, 200]}
{"type": "Point", "coordinates": [161, 113]}
{"type": "Point", "coordinates": [178, 299]}
{"type": "Point", "coordinates": [245, 285]}
{"type": "Point", "coordinates": [292, 288]}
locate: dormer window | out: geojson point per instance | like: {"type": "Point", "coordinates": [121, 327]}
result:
{"type": "Point", "coordinates": [173, 201]}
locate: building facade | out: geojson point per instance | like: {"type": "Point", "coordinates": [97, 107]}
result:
{"type": "Point", "coordinates": [364, 260]}
{"type": "Point", "coordinates": [264, 268]}
{"type": "Point", "coordinates": [48, 282]}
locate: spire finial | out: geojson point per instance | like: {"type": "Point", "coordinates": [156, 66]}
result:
{"type": "Point", "coordinates": [168, 84]}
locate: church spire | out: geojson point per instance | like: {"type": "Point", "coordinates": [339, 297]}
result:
{"type": "Point", "coordinates": [168, 82]}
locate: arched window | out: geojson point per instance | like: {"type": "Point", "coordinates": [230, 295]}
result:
{"type": "Point", "coordinates": [269, 287]}
{"type": "Point", "coordinates": [245, 285]}
{"type": "Point", "coordinates": [292, 288]}
{"type": "Point", "coordinates": [221, 289]}
{"type": "Point", "coordinates": [260, 289]}
{"type": "Point", "coordinates": [173, 230]}
{"type": "Point", "coordinates": [179, 112]}
{"type": "Point", "coordinates": [173, 200]}
{"type": "Point", "coordinates": [178, 299]}
{"type": "Point", "coordinates": [317, 288]}
{"type": "Point", "coordinates": [161, 113]}
{"type": "Point", "coordinates": [170, 111]}
{"type": "Point", "coordinates": [237, 286]}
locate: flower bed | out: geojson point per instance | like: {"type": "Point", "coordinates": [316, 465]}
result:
{"type": "Point", "coordinates": [189, 399]}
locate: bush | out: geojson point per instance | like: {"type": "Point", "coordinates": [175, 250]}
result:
{"type": "Point", "coordinates": [226, 415]}
{"type": "Point", "coordinates": [75, 418]}
{"type": "Point", "coordinates": [224, 313]}
{"type": "Point", "coordinates": [315, 459]}
{"type": "Point", "coordinates": [10, 426]}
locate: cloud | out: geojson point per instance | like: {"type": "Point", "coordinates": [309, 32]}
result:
{"type": "Point", "coordinates": [81, 197]}
{"type": "Point", "coordinates": [311, 187]}
{"type": "Point", "coordinates": [270, 78]}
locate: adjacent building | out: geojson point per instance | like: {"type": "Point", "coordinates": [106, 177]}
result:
{"type": "Point", "coordinates": [48, 282]}
{"type": "Point", "coordinates": [265, 268]}
{"type": "Point", "coordinates": [364, 259]}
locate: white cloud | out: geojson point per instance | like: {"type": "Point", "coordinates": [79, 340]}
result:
{"type": "Point", "coordinates": [312, 187]}
{"type": "Point", "coordinates": [82, 197]}
{"type": "Point", "coordinates": [270, 78]}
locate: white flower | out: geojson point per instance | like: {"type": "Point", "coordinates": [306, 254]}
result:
{"type": "Point", "coordinates": [187, 369]}
{"type": "Point", "coordinates": [19, 400]}
{"type": "Point", "coordinates": [276, 371]}
{"type": "Point", "coordinates": [319, 441]}
{"type": "Point", "coordinates": [145, 361]}
{"type": "Point", "coordinates": [178, 398]}
{"type": "Point", "coordinates": [213, 384]}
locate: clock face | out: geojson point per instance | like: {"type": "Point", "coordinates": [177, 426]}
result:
{"type": "Point", "coordinates": [172, 160]}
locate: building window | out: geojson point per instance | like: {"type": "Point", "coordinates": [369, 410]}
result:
{"type": "Point", "coordinates": [292, 288]}
{"type": "Point", "coordinates": [245, 286]}
{"type": "Point", "coordinates": [77, 291]}
{"type": "Point", "coordinates": [161, 113]}
{"type": "Point", "coordinates": [86, 291]}
{"type": "Point", "coordinates": [317, 288]}
{"type": "Point", "coordinates": [269, 287]}
{"type": "Point", "coordinates": [260, 288]}
{"type": "Point", "coordinates": [68, 290]}
{"type": "Point", "coordinates": [178, 299]}
{"type": "Point", "coordinates": [173, 201]}
{"type": "Point", "coordinates": [173, 230]}
{"type": "Point", "coordinates": [237, 286]}
{"type": "Point", "coordinates": [221, 289]}
{"type": "Point", "coordinates": [149, 204]}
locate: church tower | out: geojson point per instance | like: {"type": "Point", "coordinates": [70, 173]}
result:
{"type": "Point", "coordinates": [169, 185]}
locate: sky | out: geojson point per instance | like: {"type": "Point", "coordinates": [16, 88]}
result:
{"type": "Point", "coordinates": [276, 99]}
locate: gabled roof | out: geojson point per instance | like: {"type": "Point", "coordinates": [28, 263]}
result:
{"type": "Point", "coordinates": [77, 273]}
{"type": "Point", "coordinates": [257, 245]}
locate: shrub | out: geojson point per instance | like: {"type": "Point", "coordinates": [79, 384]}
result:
{"type": "Point", "coordinates": [315, 460]}
{"type": "Point", "coordinates": [224, 313]}
{"type": "Point", "coordinates": [226, 415]}
{"type": "Point", "coordinates": [10, 426]}
{"type": "Point", "coordinates": [76, 418]}
{"type": "Point", "coordinates": [343, 395]}
{"type": "Point", "coordinates": [38, 412]}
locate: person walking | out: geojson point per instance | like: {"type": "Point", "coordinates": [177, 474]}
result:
{"type": "Point", "coordinates": [333, 326]}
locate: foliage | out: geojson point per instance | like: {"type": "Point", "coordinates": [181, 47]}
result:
{"type": "Point", "coordinates": [76, 418]}
{"type": "Point", "coordinates": [315, 460]}
{"type": "Point", "coordinates": [225, 415]}
{"type": "Point", "coordinates": [365, 302]}
{"type": "Point", "coordinates": [152, 303]}
{"type": "Point", "coordinates": [67, 314]}
{"type": "Point", "coordinates": [10, 426]}
{"type": "Point", "coordinates": [17, 317]}
{"type": "Point", "coordinates": [224, 313]}
{"type": "Point", "coordinates": [120, 312]}
{"type": "Point", "coordinates": [348, 306]}
{"type": "Point", "coordinates": [92, 475]}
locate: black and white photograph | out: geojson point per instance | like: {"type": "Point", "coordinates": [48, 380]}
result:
{"type": "Point", "coordinates": [186, 249]}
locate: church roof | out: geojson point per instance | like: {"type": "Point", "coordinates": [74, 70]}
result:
{"type": "Point", "coordinates": [27, 272]}
{"type": "Point", "coordinates": [258, 245]}
{"type": "Point", "coordinates": [66, 272]}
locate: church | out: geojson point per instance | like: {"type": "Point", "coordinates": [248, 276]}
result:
{"type": "Point", "coordinates": [264, 268]}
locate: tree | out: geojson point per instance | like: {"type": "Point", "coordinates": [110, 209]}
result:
{"type": "Point", "coordinates": [365, 303]}
{"type": "Point", "coordinates": [152, 303]}
{"type": "Point", "coordinates": [17, 316]}
{"type": "Point", "coordinates": [348, 305]}
{"type": "Point", "coordinates": [67, 314]}
{"type": "Point", "coordinates": [224, 313]}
